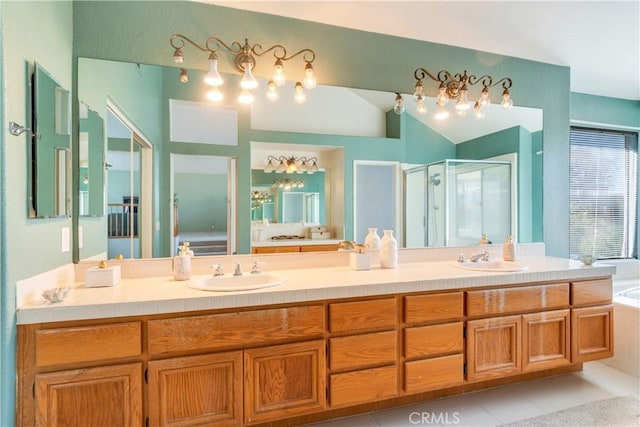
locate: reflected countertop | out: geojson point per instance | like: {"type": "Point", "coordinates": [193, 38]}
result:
{"type": "Point", "coordinates": [158, 295]}
{"type": "Point", "coordinates": [293, 242]}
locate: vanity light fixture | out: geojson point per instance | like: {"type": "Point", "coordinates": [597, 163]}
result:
{"type": "Point", "coordinates": [245, 61]}
{"type": "Point", "coordinates": [291, 164]}
{"type": "Point", "coordinates": [288, 184]}
{"type": "Point", "coordinates": [398, 108]}
{"type": "Point", "coordinates": [456, 87]}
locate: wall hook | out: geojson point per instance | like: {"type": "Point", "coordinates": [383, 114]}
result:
{"type": "Point", "coordinates": [16, 130]}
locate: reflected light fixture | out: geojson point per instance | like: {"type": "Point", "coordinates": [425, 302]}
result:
{"type": "Point", "coordinates": [291, 164]}
{"type": "Point", "coordinates": [288, 184]}
{"type": "Point", "coordinates": [245, 61]}
{"type": "Point", "coordinates": [456, 87]}
{"type": "Point", "coordinates": [398, 108]}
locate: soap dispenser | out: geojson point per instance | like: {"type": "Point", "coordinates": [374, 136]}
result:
{"type": "Point", "coordinates": [509, 249]}
{"type": "Point", "coordinates": [484, 240]}
{"type": "Point", "coordinates": [182, 264]}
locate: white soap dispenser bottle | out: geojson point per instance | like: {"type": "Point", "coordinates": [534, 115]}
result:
{"type": "Point", "coordinates": [509, 249]}
{"type": "Point", "coordinates": [182, 265]}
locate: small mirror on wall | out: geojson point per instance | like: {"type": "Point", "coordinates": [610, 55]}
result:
{"type": "Point", "coordinates": [91, 163]}
{"type": "Point", "coordinates": [50, 148]}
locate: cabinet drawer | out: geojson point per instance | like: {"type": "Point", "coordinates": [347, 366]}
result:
{"type": "Point", "coordinates": [591, 292]}
{"type": "Point", "coordinates": [363, 315]}
{"type": "Point", "coordinates": [436, 307]}
{"type": "Point", "coordinates": [513, 300]}
{"type": "Point", "coordinates": [362, 351]}
{"type": "Point", "coordinates": [363, 386]}
{"type": "Point", "coordinates": [433, 340]}
{"type": "Point", "coordinates": [234, 330]}
{"type": "Point", "coordinates": [421, 375]}
{"type": "Point", "coordinates": [88, 343]}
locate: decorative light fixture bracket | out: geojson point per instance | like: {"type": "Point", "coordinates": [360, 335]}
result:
{"type": "Point", "coordinates": [243, 52]}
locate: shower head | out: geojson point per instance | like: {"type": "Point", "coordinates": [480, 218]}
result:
{"type": "Point", "coordinates": [434, 180]}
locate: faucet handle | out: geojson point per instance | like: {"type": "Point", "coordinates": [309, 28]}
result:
{"type": "Point", "coordinates": [218, 271]}
{"type": "Point", "coordinates": [255, 269]}
{"type": "Point", "coordinates": [238, 271]}
{"type": "Point", "coordinates": [461, 257]}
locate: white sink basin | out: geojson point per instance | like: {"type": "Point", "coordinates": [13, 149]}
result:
{"type": "Point", "coordinates": [492, 266]}
{"type": "Point", "coordinates": [230, 283]}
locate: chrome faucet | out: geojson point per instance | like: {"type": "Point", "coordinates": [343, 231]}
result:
{"type": "Point", "coordinates": [218, 271]}
{"type": "Point", "coordinates": [483, 256]}
{"type": "Point", "coordinates": [254, 268]}
{"type": "Point", "coordinates": [238, 271]}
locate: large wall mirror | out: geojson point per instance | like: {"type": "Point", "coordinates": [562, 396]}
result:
{"type": "Point", "coordinates": [342, 124]}
{"type": "Point", "coordinates": [50, 149]}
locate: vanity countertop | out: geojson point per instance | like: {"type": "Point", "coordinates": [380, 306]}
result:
{"type": "Point", "coordinates": [157, 295]}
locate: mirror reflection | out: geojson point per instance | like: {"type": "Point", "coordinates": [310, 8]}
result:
{"type": "Point", "coordinates": [50, 148]}
{"type": "Point", "coordinates": [338, 125]}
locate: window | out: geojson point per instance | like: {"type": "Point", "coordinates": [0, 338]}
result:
{"type": "Point", "coordinates": [603, 193]}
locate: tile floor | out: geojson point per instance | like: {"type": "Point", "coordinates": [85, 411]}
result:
{"type": "Point", "coordinates": [505, 404]}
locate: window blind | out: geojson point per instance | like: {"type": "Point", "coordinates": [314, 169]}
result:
{"type": "Point", "coordinates": [603, 193]}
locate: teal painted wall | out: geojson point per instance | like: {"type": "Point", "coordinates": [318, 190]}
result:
{"type": "Point", "coordinates": [30, 32]}
{"type": "Point", "coordinates": [537, 202]}
{"type": "Point", "coordinates": [205, 207]}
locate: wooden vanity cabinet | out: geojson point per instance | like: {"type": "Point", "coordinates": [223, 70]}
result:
{"type": "Point", "coordinates": [196, 390]}
{"type": "Point", "coordinates": [319, 247]}
{"type": "Point", "coordinates": [592, 320]}
{"type": "Point", "coordinates": [433, 341]}
{"type": "Point", "coordinates": [506, 345]}
{"type": "Point", "coordinates": [363, 351]}
{"type": "Point", "coordinates": [100, 396]}
{"type": "Point", "coordinates": [80, 375]}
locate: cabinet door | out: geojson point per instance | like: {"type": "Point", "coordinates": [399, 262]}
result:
{"type": "Point", "coordinates": [284, 380]}
{"type": "Point", "coordinates": [493, 347]}
{"type": "Point", "coordinates": [591, 333]}
{"type": "Point", "coordinates": [196, 390]}
{"type": "Point", "coordinates": [104, 396]}
{"type": "Point", "coordinates": [545, 340]}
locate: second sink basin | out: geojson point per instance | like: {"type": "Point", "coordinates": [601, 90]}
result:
{"type": "Point", "coordinates": [230, 283]}
{"type": "Point", "coordinates": [493, 266]}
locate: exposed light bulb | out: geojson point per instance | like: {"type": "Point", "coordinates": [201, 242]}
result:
{"type": "Point", "coordinates": [484, 97]}
{"type": "Point", "coordinates": [461, 113]}
{"type": "Point", "coordinates": [178, 56]}
{"type": "Point", "coordinates": [463, 102]}
{"type": "Point", "coordinates": [248, 81]}
{"type": "Point", "coordinates": [442, 97]}
{"type": "Point", "coordinates": [213, 77]}
{"type": "Point", "coordinates": [420, 107]}
{"type": "Point", "coordinates": [245, 97]}
{"type": "Point", "coordinates": [419, 93]}
{"type": "Point", "coordinates": [442, 113]}
{"type": "Point", "coordinates": [214, 94]}
{"type": "Point", "coordinates": [184, 75]}
{"type": "Point", "coordinates": [398, 108]}
{"type": "Point", "coordinates": [299, 96]}
{"type": "Point", "coordinates": [507, 102]}
{"type": "Point", "coordinates": [272, 93]}
{"type": "Point", "coordinates": [309, 81]}
{"type": "Point", "coordinates": [278, 73]}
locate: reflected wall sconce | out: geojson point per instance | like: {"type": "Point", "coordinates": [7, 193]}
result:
{"type": "Point", "coordinates": [16, 129]}
{"type": "Point", "coordinates": [261, 196]}
{"type": "Point", "coordinates": [244, 61]}
{"type": "Point", "coordinates": [288, 184]}
{"type": "Point", "coordinates": [291, 164]}
{"type": "Point", "coordinates": [456, 87]}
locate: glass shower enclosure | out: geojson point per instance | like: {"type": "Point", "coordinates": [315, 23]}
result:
{"type": "Point", "coordinates": [455, 202]}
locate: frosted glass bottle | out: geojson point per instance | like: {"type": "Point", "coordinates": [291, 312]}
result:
{"type": "Point", "coordinates": [388, 250]}
{"type": "Point", "coordinates": [372, 241]}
